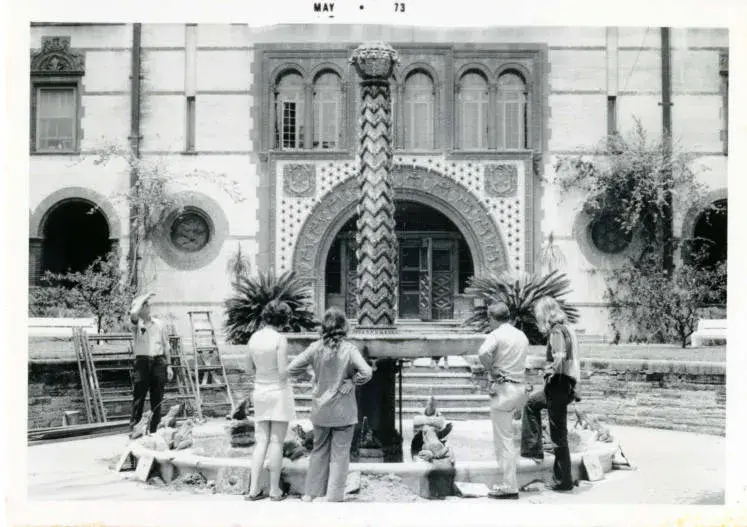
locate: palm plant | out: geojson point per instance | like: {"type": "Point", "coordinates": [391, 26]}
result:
{"type": "Point", "coordinates": [252, 293]}
{"type": "Point", "coordinates": [519, 293]}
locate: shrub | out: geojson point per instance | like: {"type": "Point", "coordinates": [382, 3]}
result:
{"type": "Point", "coordinates": [251, 294]}
{"type": "Point", "coordinates": [100, 290]}
{"type": "Point", "coordinates": [519, 293]}
{"type": "Point", "coordinates": [664, 307]}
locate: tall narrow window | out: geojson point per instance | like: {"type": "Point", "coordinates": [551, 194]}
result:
{"type": "Point", "coordinates": [473, 100]}
{"type": "Point", "coordinates": [56, 119]}
{"type": "Point", "coordinates": [512, 112]}
{"type": "Point", "coordinates": [289, 112]}
{"type": "Point", "coordinates": [190, 84]}
{"type": "Point", "coordinates": [419, 99]}
{"type": "Point", "coordinates": [611, 115]}
{"type": "Point", "coordinates": [191, 123]}
{"type": "Point", "coordinates": [327, 111]}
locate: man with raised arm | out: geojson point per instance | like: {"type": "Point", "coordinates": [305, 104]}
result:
{"type": "Point", "coordinates": [150, 341]}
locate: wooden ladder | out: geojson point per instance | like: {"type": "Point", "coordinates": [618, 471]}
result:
{"type": "Point", "coordinates": [210, 372]}
{"type": "Point", "coordinates": [102, 396]}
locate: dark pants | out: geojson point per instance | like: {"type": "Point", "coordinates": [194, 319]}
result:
{"type": "Point", "coordinates": [149, 376]}
{"type": "Point", "coordinates": [558, 393]}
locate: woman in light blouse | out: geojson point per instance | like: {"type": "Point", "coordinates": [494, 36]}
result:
{"type": "Point", "coordinates": [272, 397]}
{"type": "Point", "coordinates": [338, 367]}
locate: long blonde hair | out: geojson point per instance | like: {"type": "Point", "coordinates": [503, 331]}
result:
{"type": "Point", "coordinates": [547, 311]}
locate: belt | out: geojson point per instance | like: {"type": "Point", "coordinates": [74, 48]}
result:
{"type": "Point", "coordinates": [500, 380]}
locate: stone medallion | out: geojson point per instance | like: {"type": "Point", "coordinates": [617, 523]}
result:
{"type": "Point", "coordinates": [299, 181]}
{"type": "Point", "coordinates": [501, 181]}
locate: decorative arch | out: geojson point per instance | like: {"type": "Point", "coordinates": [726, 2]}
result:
{"type": "Point", "coordinates": [39, 217]}
{"type": "Point", "coordinates": [691, 216]}
{"type": "Point", "coordinates": [285, 68]}
{"type": "Point", "coordinates": [325, 67]}
{"type": "Point", "coordinates": [476, 67]}
{"type": "Point", "coordinates": [515, 67]}
{"type": "Point", "coordinates": [411, 183]}
{"type": "Point", "coordinates": [420, 66]}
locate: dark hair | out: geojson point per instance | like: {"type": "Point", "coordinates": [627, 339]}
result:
{"type": "Point", "coordinates": [334, 327]}
{"type": "Point", "coordinates": [499, 312]}
{"type": "Point", "coordinates": [276, 313]}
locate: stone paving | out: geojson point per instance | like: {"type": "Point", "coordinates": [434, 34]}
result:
{"type": "Point", "coordinates": [672, 468]}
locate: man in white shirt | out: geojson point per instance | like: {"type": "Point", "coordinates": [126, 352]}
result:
{"type": "Point", "coordinates": [504, 355]}
{"type": "Point", "coordinates": [152, 360]}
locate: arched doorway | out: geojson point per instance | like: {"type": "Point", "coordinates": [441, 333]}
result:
{"type": "Point", "coordinates": [434, 264]}
{"type": "Point", "coordinates": [75, 233]}
{"type": "Point", "coordinates": [710, 234]}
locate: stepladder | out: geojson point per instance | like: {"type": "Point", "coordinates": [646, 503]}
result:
{"type": "Point", "coordinates": [106, 368]}
{"type": "Point", "coordinates": [212, 387]}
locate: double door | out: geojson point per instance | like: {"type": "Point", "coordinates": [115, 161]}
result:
{"type": "Point", "coordinates": [428, 275]}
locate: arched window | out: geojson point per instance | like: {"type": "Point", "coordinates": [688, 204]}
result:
{"type": "Point", "coordinates": [512, 112]}
{"type": "Point", "coordinates": [473, 101]}
{"type": "Point", "coordinates": [327, 111]}
{"type": "Point", "coordinates": [289, 112]}
{"type": "Point", "coordinates": [419, 99]}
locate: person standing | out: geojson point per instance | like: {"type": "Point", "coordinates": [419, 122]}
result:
{"type": "Point", "coordinates": [504, 355]}
{"type": "Point", "coordinates": [338, 367]}
{"type": "Point", "coordinates": [274, 406]}
{"type": "Point", "coordinates": [152, 361]}
{"type": "Point", "coordinates": [561, 376]}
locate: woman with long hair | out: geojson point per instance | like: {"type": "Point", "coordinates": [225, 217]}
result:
{"type": "Point", "coordinates": [272, 397]}
{"type": "Point", "coordinates": [561, 376]}
{"type": "Point", "coordinates": [338, 367]}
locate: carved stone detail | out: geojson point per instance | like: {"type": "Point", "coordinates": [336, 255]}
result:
{"type": "Point", "coordinates": [404, 177]}
{"type": "Point", "coordinates": [501, 180]}
{"type": "Point", "coordinates": [299, 181]}
{"type": "Point", "coordinates": [57, 58]}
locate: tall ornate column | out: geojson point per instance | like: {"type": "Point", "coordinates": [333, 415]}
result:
{"type": "Point", "coordinates": [376, 246]}
{"type": "Point", "coordinates": [376, 241]}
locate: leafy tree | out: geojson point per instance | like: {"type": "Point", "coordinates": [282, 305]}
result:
{"type": "Point", "coordinates": [238, 265]}
{"type": "Point", "coordinates": [519, 293]}
{"type": "Point", "coordinates": [251, 294]}
{"type": "Point", "coordinates": [628, 180]}
{"type": "Point", "coordinates": [100, 290]}
{"type": "Point", "coordinates": [152, 198]}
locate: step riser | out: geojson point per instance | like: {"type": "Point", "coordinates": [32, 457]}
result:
{"type": "Point", "coordinates": [435, 380]}
{"type": "Point", "coordinates": [456, 415]}
{"type": "Point", "coordinates": [467, 401]}
{"type": "Point", "coordinates": [418, 390]}
{"type": "Point", "coordinates": [436, 371]}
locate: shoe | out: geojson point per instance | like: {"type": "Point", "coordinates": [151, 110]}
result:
{"type": "Point", "coordinates": [501, 493]}
{"type": "Point", "coordinates": [260, 496]}
{"type": "Point", "coordinates": [557, 487]}
{"type": "Point", "coordinates": [306, 498]}
{"type": "Point", "coordinates": [281, 497]}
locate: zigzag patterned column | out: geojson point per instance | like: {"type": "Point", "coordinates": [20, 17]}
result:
{"type": "Point", "coordinates": [376, 241]}
{"type": "Point", "coordinates": [377, 250]}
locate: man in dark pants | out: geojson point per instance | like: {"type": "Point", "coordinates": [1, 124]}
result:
{"type": "Point", "coordinates": [152, 361]}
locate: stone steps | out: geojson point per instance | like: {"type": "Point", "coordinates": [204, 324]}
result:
{"type": "Point", "coordinates": [409, 388]}
{"type": "Point", "coordinates": [443, 402]}
{"type": "Point", "coordinates": [408, 412]}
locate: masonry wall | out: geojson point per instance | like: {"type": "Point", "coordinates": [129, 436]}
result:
{"type": "Point", "coordinates": [686, 396]}
{"type": "Point", "coordinates": [580, 76]}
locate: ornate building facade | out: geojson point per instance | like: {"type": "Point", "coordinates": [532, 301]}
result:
{"type": "Point", "coordinates": [479, 118]}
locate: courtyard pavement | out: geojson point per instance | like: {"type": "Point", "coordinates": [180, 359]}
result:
{"type": "Point", "coordinates": [671, 468]}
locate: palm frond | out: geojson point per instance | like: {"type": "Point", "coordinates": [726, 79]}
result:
{"type": "Point", "coordinates": [519, 293]}
{"type": "Point", "coordinates": [252, 293]}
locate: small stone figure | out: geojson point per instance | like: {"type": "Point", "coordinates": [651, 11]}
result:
{"type": "Point", "coordinates": [589, 422]}
{"type": "Point", "coordinates": [183, 436]}
{"type": "Point", "coordinates": [141, 428]}
{"type": "Point", "coordinates": [432, 418]}
{"type": "Point", "coordinates": [433, 448]}
{"type": "Point", "coordinates": [170, 419]}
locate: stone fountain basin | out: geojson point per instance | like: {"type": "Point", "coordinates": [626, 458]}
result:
{"type": "Point", "coordinates": [416, 475]}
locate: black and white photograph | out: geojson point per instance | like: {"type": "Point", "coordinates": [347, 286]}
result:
{"type": "Point", "coordinates": [426, 266]}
